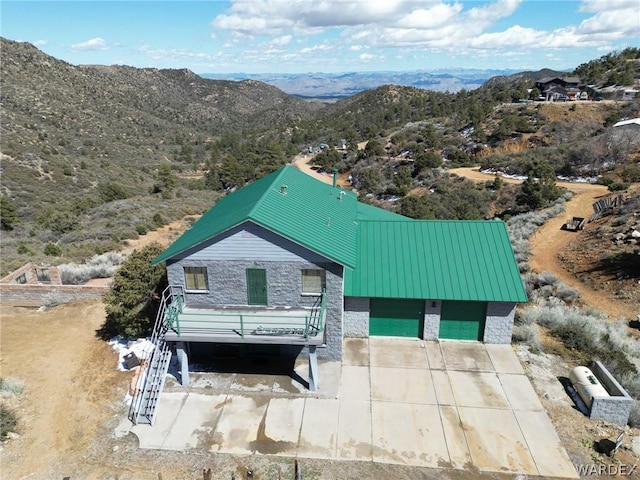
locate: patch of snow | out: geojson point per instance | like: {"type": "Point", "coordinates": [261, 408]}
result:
{"type": "Point", "coordinates": [141, 347]}
{"type": "Point", "coordinates": [491, 171]}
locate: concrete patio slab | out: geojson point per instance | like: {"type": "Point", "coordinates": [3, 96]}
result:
{"type": "Point", "coordinates": [281, 431]}
{"type": "Point", "coordinates": [408, 434]}
{"type": "Point", "coordinates": [406, 353]}
{"type": "Point", "coordinates": [239, 423]}
{"type": "Point", "coordinates": [451, 415]}
{"type": "Point", "coordinates": [442, 387]}
{"type": "Point", "coordinates": [354, 430]}
{"type": "Point", "coordinates": [504, 359]}
{"type": "Point", "coordinates": [355, 383]}
{"type": "Point", "coordinates": [477, 389]}
{"type": "Point", "coordinates": [520, 393]}
{"type": "Point", "coordinates": [356, 352]}
{"type": "Point", "coordinates": [328, 384]}
{"type": "Point", "coordinates": [255, 382]}
{"type": "Point", "coordinates": [455, 438]}
{"type": "Point", "coordinates": [466, 356]}
{"type": "Point", "coordinates": [183, 420]}
{"type": "Point", "coordinates": [218, 382]}
{"type": "Point", "coordinates": [434, 355]}
{"type": "Point", "coordinates": [319, 430]}
{"type": "Point", "coordinates": [550, 457]}
{"type": "Point", "coordinates": [495, 441]}
{"type": "Point", "coordinates": [391, 384]}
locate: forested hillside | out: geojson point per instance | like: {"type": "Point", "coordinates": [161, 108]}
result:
{"type": "Point", "coordinates": [94, 155]}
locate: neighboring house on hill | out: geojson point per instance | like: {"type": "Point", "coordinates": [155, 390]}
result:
{"type": "Point", "coordinates": [559, 88]}
{"type": "Point", "coordinates": [291, 261]}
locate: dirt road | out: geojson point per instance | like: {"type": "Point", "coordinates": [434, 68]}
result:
{"type": "Point", "coordinates": [550, 239]}
{"type": "Point", "coordinates": [303, 162]}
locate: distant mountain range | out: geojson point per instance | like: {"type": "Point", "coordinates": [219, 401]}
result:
{"type": "Point", "coordinates": [329, 86]}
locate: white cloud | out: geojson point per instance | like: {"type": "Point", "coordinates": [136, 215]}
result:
{"type": "Point", "coordinates": [40, 43]}
{"type": "Point", "coordinates": [453, 27]}
{"type": "Point", "coordinates": [272, 17]}
{"type": "Point", "coordinates": [617, 22]}
{"type": "Point", "coordinates": [608, 5]}
{"type": "Point", "coordinates": [366, 57]}
{"type": "Point", "coordinates": [282, 41]}
{"type": "Point", "coordinates": [437, 15]}
{"type": "Point", "coordinates": [93, 44]}
{"type": "Point", "coordinates": [488, 14]}
{"type": "Point", "coordinates": [316, 48]}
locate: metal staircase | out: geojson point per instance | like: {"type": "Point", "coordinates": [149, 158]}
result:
{"type": "Point", "coordinates": [156, 364]}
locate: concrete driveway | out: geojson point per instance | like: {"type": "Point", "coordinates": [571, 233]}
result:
{"type": "Point", "coordinates": [403, 401]}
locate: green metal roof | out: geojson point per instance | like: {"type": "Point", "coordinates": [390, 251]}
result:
{"type": "Point", "coordinates": [290, 203]}
{"type": "Point", "coordinates": [369, 212]}
{"type": "Point", "coordinates": [439, 259]}
{"type": "Point", "coordinates": [386, 255]}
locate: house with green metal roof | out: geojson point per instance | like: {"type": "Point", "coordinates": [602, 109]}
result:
{"type": "Point", "coordinates": [297, 264]}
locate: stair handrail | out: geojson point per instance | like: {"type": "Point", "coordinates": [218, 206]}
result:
{"type": "Point", "coordinates": [157, 340]}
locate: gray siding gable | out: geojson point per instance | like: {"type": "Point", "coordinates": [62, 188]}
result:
{"type": "Point", "coordinates": [250, 242]}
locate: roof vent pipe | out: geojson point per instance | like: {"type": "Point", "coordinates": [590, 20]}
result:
{"type": "Point", "coordinates": [335, 177]}
{"type": "Point", "coordinates": [283, 189]}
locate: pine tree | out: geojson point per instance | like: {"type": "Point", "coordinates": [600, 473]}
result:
{"type": "Point", "coordinates": [8, 217]}
{"type": "Point", "coordinates": [134, 298]}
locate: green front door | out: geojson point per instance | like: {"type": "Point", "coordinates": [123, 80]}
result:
{"type": "Point", "coordinates": [462, 320]}
{"type": "Point", "coordinates": [256, 286]}
{"type": "Point", "coordinates": [396, 317]}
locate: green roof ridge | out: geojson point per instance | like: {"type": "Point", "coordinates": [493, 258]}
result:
{"type": "Point", "coordinates": [288, 213]}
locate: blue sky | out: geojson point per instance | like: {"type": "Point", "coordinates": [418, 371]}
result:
{"type": "Point", "coordinates": [298, 36]}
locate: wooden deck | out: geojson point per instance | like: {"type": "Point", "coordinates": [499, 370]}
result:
{"type": "Point", "coordinates": [272, 325]}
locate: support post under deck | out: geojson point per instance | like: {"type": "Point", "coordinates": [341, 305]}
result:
{"type": "Point", "coordinates": [313, 369]}
{"type": "Point", "coordinates": [184, 364]}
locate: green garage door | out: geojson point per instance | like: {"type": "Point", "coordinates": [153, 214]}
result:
{"type": "Point", "coordinates": [396, 317]}
{"type": "Point", "coordinates": [462, 320]}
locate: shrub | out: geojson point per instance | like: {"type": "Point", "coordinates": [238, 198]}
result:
{"type": "Point", "coordinates": [8, 420]}
{"type": "Point", "coordinates": [52, 249]}
{"type": "Point", "coordinates": [527, 334]}
{"type": "Point", "coordinates": [617, 186]}
{"type": "Point", "coordinates": [575, 338]}
{"type": "Point", "coordinates": [631, 173]}
{"type": "Point", "coordinates": [567, 294]}
{"type": "Point", "coordinates": [141, 228]}
{"type": "Point", "coordinates": [8, 217]}
{"type": "Point", "coordinates": [23, 249]}
{"type": "Point", "coordinates": [158, 220]}
{"type": "Point", "coordinates": [10, 386]}
{"type": "Point", "coordinates": [100, 266]}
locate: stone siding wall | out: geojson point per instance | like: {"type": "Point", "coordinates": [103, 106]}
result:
{"type": "Point", "coordinates": [432, 313]}
{"type": "Point", "coordinates": [228, 286]}
{"type": "Point", "coordinates": [616, 408]}
{"type": "Point", "coordinates": [498, 326]}
{"type": "Point", "coordinates": [356, 317]}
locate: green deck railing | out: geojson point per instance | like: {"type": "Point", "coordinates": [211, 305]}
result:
{"type": "Point", "coordinates": [243, 324]}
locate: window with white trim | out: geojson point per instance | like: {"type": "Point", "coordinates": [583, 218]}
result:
{"type": "Point", "coordinates": [313, 281]}
{"type": "Point", "coordinates": [195, 278]}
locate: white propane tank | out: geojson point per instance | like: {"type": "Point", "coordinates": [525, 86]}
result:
{"type": "Point", "coordinates": [587, 385]}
